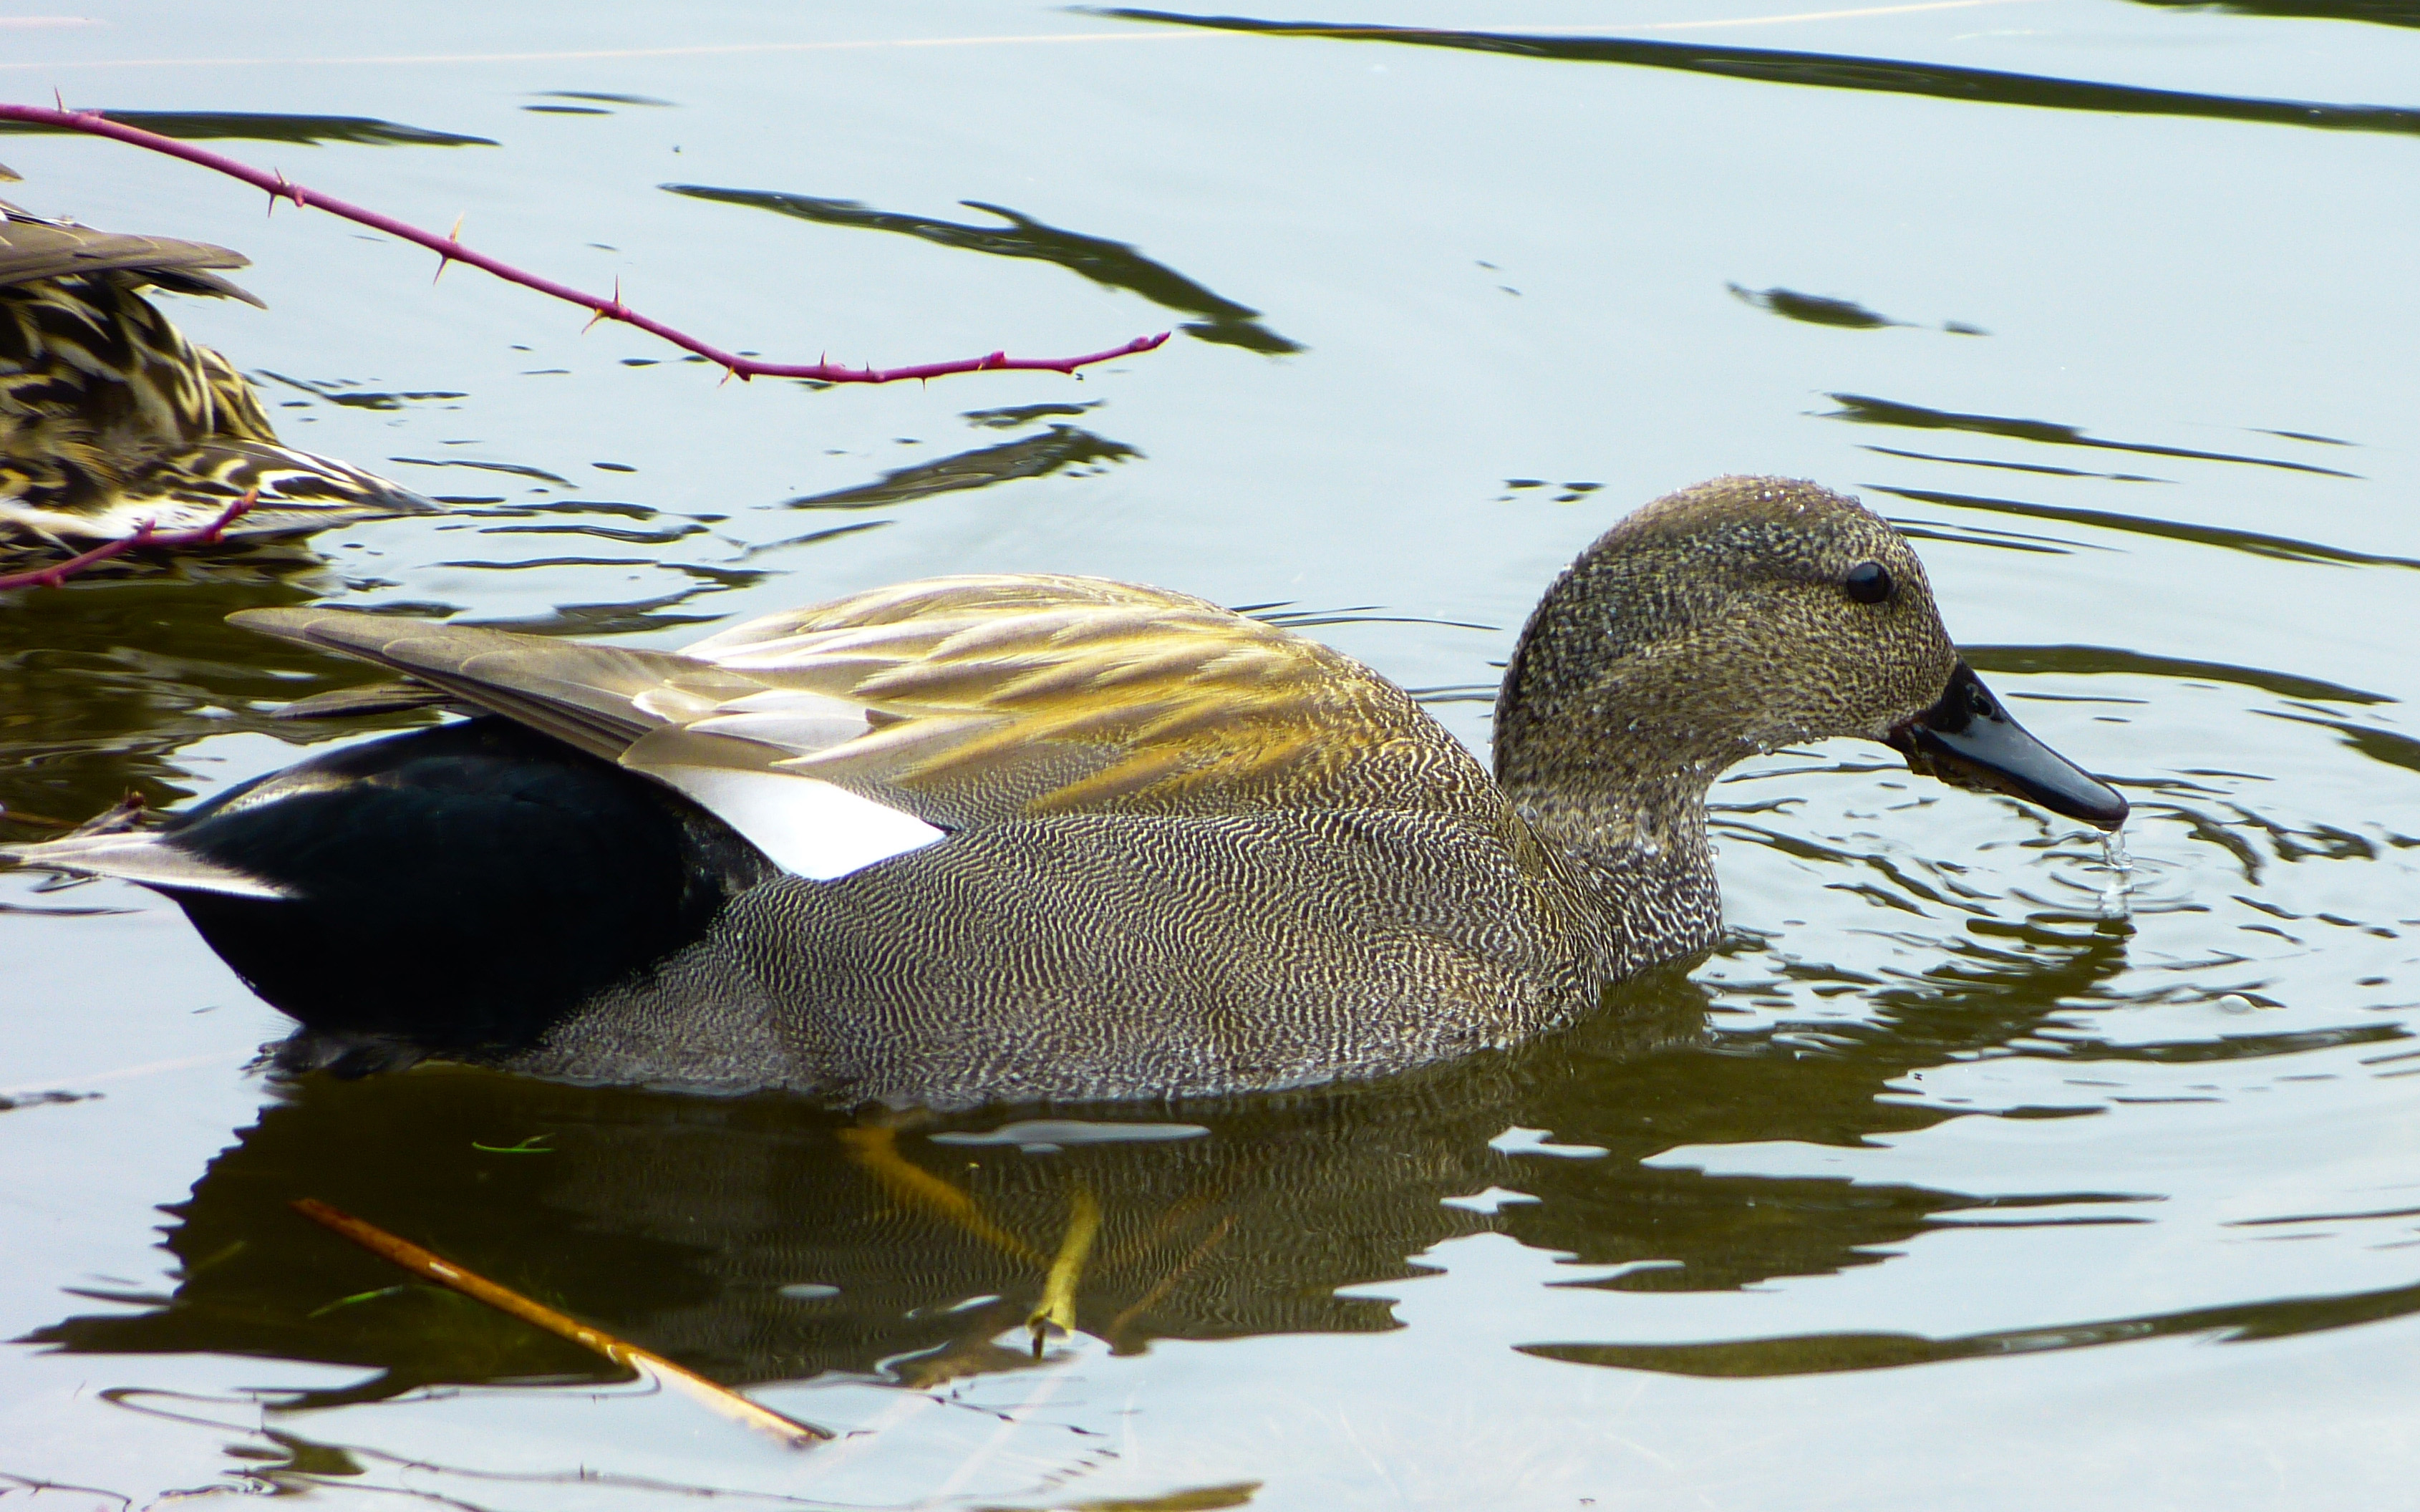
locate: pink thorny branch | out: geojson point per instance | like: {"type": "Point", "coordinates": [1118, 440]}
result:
{"type": "Point", "coordinates": [143, 535]}
{"type": "Point", "coordinates": [277, 186]}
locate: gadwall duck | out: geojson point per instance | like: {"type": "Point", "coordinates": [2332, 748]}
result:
{"type": "Point", "coordinates": [1011, 837]}
{"type": "Point", "coordinates": [109, 418]}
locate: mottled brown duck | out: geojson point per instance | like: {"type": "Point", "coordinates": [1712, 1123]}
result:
{"type": "Point", "coordinates": [109, 418]}
{"type": "Point", "coordinates": [1013, 837]}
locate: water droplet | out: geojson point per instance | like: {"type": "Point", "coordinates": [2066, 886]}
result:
{"type": "Point", "coordinates": [2115, 892]}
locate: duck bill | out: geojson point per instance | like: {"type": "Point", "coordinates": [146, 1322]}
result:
{"type": "Point", "coordinates": [1967, 740]}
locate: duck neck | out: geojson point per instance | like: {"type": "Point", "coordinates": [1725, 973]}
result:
{"type": "Point", "coordinates": [1640, 853]}
{"type": "Point", "coordinates": [1607, 738]}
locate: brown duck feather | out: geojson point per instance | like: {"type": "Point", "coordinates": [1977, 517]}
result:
{"type": "Point", "coordinates": [964, 700]}
{"type": "Point", "coordinates": [33, 249]}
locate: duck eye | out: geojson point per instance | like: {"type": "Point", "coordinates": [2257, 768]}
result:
{"type": "Point", "coordinates": [1867, 583]}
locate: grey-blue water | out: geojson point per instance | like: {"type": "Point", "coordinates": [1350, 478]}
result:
{"type": "Point", "coordinates": [1972, 1172]}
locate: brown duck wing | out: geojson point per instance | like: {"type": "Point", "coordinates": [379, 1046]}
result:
{"type": "Point", "coordinates": [33, 248]}
{"type": "Point", "coordinates": [586, 695]}
{"type": "Point", "coordinates": [962, 701]}
{"type": "Point", "coordinates": [988, 697]}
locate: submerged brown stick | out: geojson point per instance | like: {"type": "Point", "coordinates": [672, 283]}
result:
{"type": "Point", "coordinates": [875, 1150]}
{"type": "Point", "coordinates": [450, 250]}
{"type": "Point", "coordinates": [432, 1267]}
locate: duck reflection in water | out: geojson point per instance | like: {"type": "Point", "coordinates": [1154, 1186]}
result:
{"type": "Point", "coordinates": [751, 1239]}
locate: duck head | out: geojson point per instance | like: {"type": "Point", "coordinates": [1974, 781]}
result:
{"type": "Point", "coordinates": [1732, 618]}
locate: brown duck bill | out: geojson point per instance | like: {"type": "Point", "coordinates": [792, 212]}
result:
{"type": "Point", "coordinates": [1967, 739]}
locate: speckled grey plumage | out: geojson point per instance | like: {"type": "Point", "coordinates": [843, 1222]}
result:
{"type": "Point", "coordinates": [1174, 955]}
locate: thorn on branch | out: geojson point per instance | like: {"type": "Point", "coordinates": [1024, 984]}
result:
{"type": "Point", "coordinates": [612, 309]}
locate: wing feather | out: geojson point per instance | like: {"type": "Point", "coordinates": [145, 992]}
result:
{"type": "Point", "coordinates": [33, 248]}
{"type": "Point", "coordinates": [961, 700]}
{"type": "Point", "coordinates": [585, 695]}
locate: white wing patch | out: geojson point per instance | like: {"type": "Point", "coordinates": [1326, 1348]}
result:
{"type": "Point", "coordinates": [808, 828]}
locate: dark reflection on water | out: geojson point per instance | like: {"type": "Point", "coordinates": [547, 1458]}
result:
{"type": "Point", "coordinates": [517, 470]}
{"type": "Point", "coordinates": [1815, 309]}
{"type": "Point", "coordinates": [2228, 1047]}
{"type": "Point", "coordinates": [1111, 264]}
{"type": "Point", "coordinates": [2377, 744]}
{"type": "Point", "coordinates": [1055, 450]}
{"type": "Point", "coordinates": [1012, 416]}
{"type": "Point", "coordinates": [1816, 1353]}
{"type": "Point", "coordinates": [2379, 12]}
{"type": "Point", "coordinates": [2042, 468]}
{"type": "Point", "coordinates": [624, 616]}
{"type": "Point", "coordinates": [598, 97]}
{"type": "Point", "coordinates": [225, 125]}
{"type": "Point", "coordinates": [577, 522]}
{"type": "Point", "coordinates": [1285, 613]}
{"type": "Point", "coordinates": [353, 396]}
{"type": "Point", "coordinates": [1832, 70]}
{"type": "Point", "coordinates": [1863, 409]}
{"type": "Point", "coordinates": [1982, 535]}
{"type": "Point", "coordinates": [1825, 310]}
{"type": "Point", "coordinates": [2251, 542]}
{"type": "Point", "coordinates": [102, 681]}
{"type": "Point", "coordinates": [2073, 660]}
